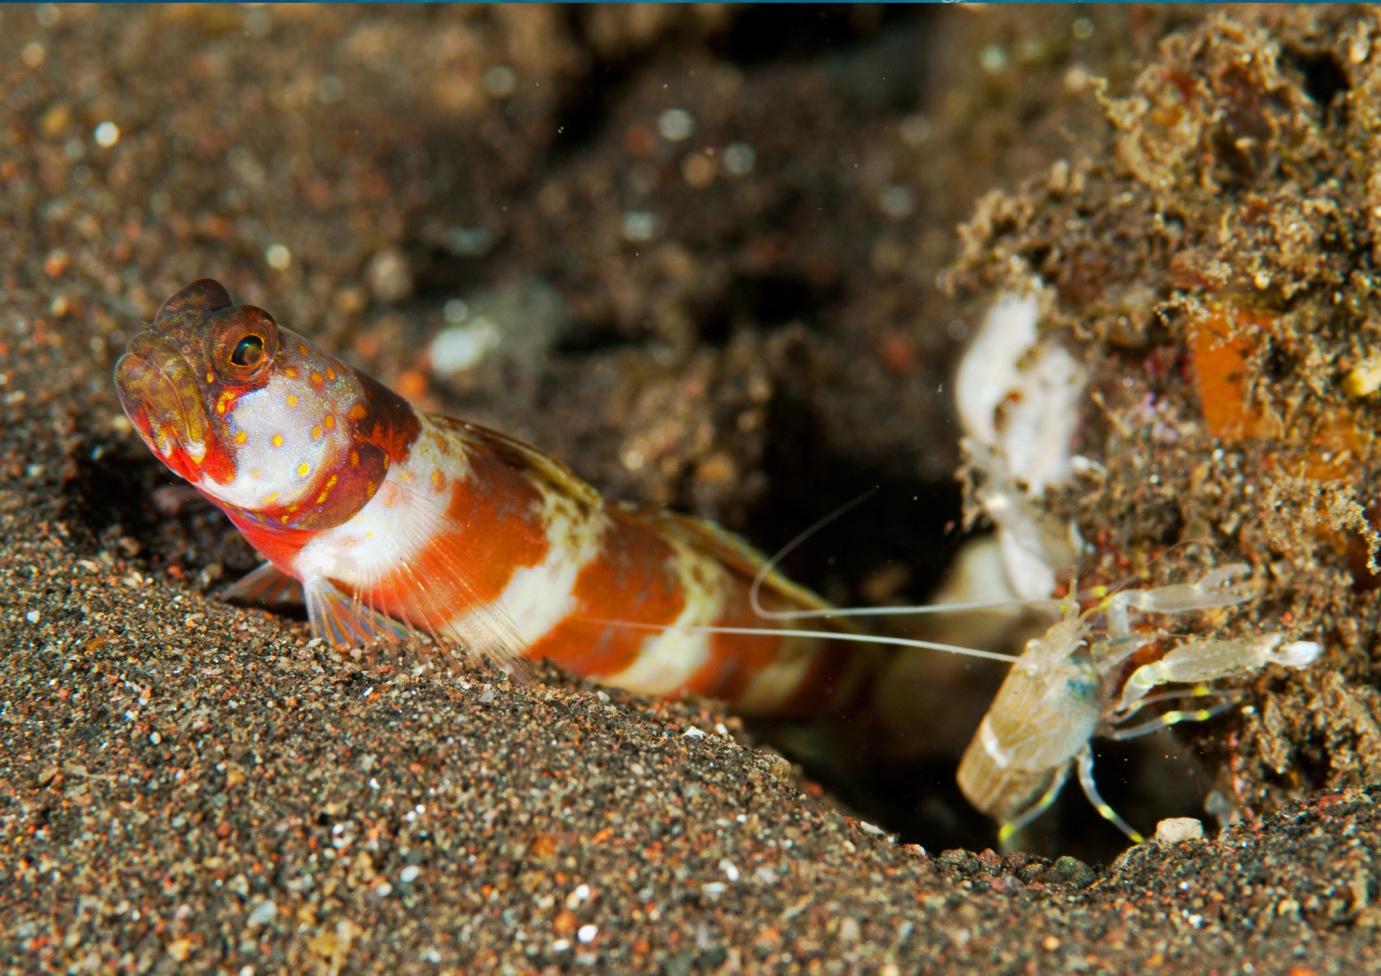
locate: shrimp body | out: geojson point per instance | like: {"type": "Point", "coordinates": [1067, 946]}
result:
{"type": "Point", "coordinates": [392, 521]}
{"type": "Point", "coordinates": [1049, 706]}
{"type": "Point", "coordinates": [1068, 687]}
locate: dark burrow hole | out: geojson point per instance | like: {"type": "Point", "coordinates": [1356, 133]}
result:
{"type": "Point", "coordinates": [800, 32]}
{"type": "Point", "coordinates": [121, 494]}
{"type": "Point", "coordinates": [1323, 78]}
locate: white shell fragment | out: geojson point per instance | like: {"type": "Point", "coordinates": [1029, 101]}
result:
{"type": "Point", "coordinates": [989, 367]}
{"type": "Point", "coordinates": [1297, 654]}
{"type": "Point", "coordinates": [1177, 830]}
{"type": "Point", "coordinates": [1018, 395]}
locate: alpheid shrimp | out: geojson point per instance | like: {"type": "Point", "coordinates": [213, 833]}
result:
{"type": "Point", "coordinates": [1065, 689]}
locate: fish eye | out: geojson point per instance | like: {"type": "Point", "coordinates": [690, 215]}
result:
{"type": "Point", "coordinates": [241, 344]}
{"type": "Point", "coordinates": [248, 351]}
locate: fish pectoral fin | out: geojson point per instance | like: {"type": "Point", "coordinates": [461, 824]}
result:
{"type": "Point", "coordinates": [267, 586]}
{"type": "Point", "coordinates": [342, 621]}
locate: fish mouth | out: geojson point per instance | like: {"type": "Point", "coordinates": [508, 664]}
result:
{"type": "Point", "coordinates": [159, 392]}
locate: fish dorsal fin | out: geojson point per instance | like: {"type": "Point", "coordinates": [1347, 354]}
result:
{"type": "Point", "coordinates": [522, 456]}
{"type": "Point", "coordinates": [202, 295]}
{"type": "Point", "coordinates": [738, 556]}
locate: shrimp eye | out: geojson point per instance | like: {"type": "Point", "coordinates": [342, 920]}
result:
{"type": "Point", "coordinates": [248, 351]}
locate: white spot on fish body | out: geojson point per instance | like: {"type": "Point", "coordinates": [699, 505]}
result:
{"type": "Point", "coordinates": [538, 597]}
{"type": "Point", "coordinates": [669, 659]}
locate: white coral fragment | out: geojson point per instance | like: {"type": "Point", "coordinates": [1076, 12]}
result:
{"type": "Point", "coordinates": [1018, 395]}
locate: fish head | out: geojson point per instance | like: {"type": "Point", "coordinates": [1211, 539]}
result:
{"type": "Point", "coordinates": [250, 413]}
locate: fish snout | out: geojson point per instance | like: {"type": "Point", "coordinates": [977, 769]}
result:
{"type": "Point", "coordinates": [159, 392]}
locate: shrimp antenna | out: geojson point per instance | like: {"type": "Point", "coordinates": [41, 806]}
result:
{"type": "Point", "coordinates": [765, 573]}
{"type": "Point", "coordinates": [774, 561]}
{"type": "Point", "coordinates": [827, 635]}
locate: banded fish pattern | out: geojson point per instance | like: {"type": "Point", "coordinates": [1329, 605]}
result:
{"type": "Point", "coordinates": [390, 522]}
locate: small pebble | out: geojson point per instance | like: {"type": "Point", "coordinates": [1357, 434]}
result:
{"type": "Point", "coordinates": [675, 124]}
{"type": "Point", "coordinates": [263, 913]}
{"type": "Point", "coordinates": [278, 256]}
{"type": "Point", "coordinates": [1364, 379]}
{"type": "Point", "coordinates": [739, 158]}
{"type": "Point", "coordinates": [897, 201]}
{"type": "Point", "coordinates": [500, 81]}
{"type": "Point", "coordinates": [1072, 871]}
{"type": "Point", "coordinates": [639, 226]}
{"type": "Point", "coordinates": [463, 347]}
{"type": "Point", "coordinates": [107, 134]}
{"type": "Point", "coordinates": [389, 275]}
{"type": "Point", "coordinates": [1176, 830]}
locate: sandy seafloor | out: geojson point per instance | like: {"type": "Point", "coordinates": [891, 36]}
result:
{"type": "Point", "coordinates": [749, 334]}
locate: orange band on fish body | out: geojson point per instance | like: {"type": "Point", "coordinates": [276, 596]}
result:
{"type": "Point", "coordinates": [633, 578]}
{"type": "Point", "coordinates": [487, 528]}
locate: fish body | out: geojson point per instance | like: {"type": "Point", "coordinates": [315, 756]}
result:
{"type": "Point", "coordinates": [394, 521]}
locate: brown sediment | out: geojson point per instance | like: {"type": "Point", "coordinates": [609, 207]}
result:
{"type": "Point", "coordinates": [189, 787]}
{"type": "Point", "coordinates": [1219, 331]}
